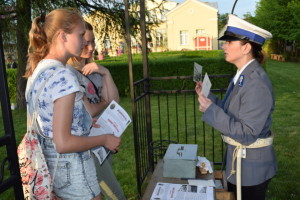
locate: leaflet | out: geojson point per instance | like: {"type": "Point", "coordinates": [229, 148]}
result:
{"type": "Point", "coordinates": [197, 72]}
{"type": "Point", "coordinates": [170, 191]}
{"type": "Point", "coordinates": [113, 120]}
{"type": "Point", "coordinates": [206, 85]}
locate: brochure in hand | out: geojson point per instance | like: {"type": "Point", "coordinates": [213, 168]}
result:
{"type": "Point", "coordinates": [206, 85]}
{"type": "Point", "coordinates": [197, 72]}
{"type": "Point", "coordinates": [113, 120]}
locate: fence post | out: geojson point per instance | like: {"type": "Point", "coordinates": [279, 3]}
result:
{"type": "Point", "coordinates": [8, 139]}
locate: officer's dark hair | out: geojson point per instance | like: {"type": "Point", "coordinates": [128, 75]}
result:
{"type": "Point", "coordinates": [257, 52]}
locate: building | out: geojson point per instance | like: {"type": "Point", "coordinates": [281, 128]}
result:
{"type": "Point", "coordinates": [191, 25]}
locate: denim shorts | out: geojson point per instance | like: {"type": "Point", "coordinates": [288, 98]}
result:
{"type": "Point", "coordinates": [75, 175]}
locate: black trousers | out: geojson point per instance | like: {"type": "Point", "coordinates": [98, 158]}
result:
{"type": "Point", "coordinates": [255, 192]}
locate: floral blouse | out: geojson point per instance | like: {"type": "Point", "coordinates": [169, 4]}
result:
{"type": "Point", "coordinates": [62, 83]}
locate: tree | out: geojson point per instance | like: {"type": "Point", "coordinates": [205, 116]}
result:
{"type": "Point", "coordinates": [24, 10]}
{"type": "Point", "coordinates": [110, 24]}
{"type": "Point", "coordinates": [281, 18]}
{"type": "Point", "coordinates": [23, 13]}
{"type": "Point", "coordinates": [222, 21]}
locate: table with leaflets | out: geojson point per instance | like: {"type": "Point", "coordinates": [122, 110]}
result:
{"type": "Point", "coordinates": [157, 177]}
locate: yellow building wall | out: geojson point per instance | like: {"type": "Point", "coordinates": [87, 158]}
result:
{"type": "Point", "coordinates": [190, 16]}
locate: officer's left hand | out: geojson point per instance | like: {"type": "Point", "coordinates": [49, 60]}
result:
{"type": "Point", "coordinates": [204, 102]}
{"type": "Point", "coordinates": [198, 87]}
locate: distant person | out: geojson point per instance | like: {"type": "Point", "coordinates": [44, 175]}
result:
{"type": "Point", "coordinates": [122, 47]}
{"type": "Point", "coordinates": [11, 64]}
{"type": "Point", "coordinates": [101, 55]}
{"type": "Point", "coordinates": [244, 116]}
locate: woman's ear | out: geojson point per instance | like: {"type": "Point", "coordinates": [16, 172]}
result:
{"type": "Point", "coordinates": [62, 36]}
{"type": "Point", "coordinates": [247, 48]}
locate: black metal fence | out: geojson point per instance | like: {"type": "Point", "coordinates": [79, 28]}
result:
{"type": "Point", "coordinates": [174, 118]}
{"type": "Point", "coordinates": [9, 169]}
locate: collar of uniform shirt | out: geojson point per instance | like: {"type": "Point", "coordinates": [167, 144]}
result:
{"type": "Point", "coordinates": [239, 72]}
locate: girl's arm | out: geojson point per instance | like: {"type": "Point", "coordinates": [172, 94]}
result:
{"type": "Point", "coordinates": [67, 143]}
{"type": "Point", "coordinates": [109, 90]}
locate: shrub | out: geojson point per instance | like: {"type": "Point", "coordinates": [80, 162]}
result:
{"type": "Point", "coordinates": [177, 63]}
{"type": "Point", "coordinates": [12, 84]}
{"type": "Point", "coordinates": [161, 64]}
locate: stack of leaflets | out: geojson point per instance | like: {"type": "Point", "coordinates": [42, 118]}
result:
{"type": "Point", "coordinates": [170, 191]}
{"type": "Point", "coordinates": [113, 120]}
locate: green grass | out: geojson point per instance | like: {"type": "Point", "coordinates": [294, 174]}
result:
{"type": "Point", "coordinates": [285, 77]}
{"type": "Point", "coordinates": [285, 185]}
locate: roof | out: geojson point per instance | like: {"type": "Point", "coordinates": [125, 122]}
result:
{"type": "Point", "coordinates": [213, 6]}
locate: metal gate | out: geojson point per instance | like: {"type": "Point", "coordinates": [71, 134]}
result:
{"type": "Point", "coordinates": [164, 112]}
{"type": "Point", "coordinates": [174, 118]}
{"type": "Point", "coordinates": [9, 170]}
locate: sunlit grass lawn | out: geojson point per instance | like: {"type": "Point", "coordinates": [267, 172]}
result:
{"type": "Point", "coordinates": [285, 185]}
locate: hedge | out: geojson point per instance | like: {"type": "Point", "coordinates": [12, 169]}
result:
{"type": "Point", "coordinates": [169, 64]}
{"type": "Point", "coordinates": [176, 63]}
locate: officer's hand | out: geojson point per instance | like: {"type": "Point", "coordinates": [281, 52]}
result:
{"type": "Point", "coordinates": [198, 87]}
{"type": "Point", "coordinates": [204, 102]}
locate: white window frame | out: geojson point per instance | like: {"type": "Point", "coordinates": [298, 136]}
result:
{"type": "Point", "coordinates": [200, 31]}
{"type": "Point", "coordinates": [184, 37]}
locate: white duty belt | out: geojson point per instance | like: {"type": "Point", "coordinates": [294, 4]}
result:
{"type": "Point", "coordinates": [239, 153]}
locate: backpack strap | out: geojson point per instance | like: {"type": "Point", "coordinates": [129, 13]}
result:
{"type": "Point", "coordinates": [35, 105]}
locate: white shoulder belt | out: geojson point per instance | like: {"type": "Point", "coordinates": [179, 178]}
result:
{"type": "Point", "coordinates": [240, 152]}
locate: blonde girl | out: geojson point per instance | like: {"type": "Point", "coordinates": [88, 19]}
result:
{"type": "Point", "coordinates": [62, 117]}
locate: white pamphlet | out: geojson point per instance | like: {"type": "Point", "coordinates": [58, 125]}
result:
{"type": "Point", "coordinates": [170, 191]}
{"type": "Point", "coordinates": [113, 120]}
{"type": "Point", "coordinates": [202, 182]}
{"type": "Point", "coordinates": [206, 85]}
{"type": "Point", "coordinates": [197, 72]}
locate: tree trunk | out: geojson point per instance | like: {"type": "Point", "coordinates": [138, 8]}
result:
{"type": "Point", "coordinates": [23, 27]}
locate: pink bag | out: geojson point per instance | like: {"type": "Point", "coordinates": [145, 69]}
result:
{"type": "Point", "coordinates": [36, 179]}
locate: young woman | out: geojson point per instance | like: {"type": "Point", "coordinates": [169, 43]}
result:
{"type": "Point", "coordinates": [100, 90]}
{"type": "Point", "coordinates": [244, 115]}
{"type": "Point", "coordinates": [62, 117]}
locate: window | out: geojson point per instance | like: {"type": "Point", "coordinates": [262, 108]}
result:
{"type": "Point", "coordinates": [107, 43]}
{"type": "Point", "coordinates": [160, 33]}
{"type": "Point", "coordinates": [200, 31]}
{"type": "Point", "coordinates": [184, 35]}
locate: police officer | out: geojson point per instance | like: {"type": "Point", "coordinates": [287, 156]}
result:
{"type": "Point", "coordinates": [244, 115]}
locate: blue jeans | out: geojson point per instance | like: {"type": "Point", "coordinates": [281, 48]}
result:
{"type": "Point", "coordinates": [75, 175]}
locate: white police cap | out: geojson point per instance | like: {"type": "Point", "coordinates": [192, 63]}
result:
{"type": "Point", "coordinates": [238, 29]}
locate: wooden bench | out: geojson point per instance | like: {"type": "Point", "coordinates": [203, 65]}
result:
{"type": "Point", "coordinates": [277, 57]}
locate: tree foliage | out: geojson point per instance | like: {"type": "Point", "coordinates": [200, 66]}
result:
{"type": "Point", "coordinates": [222, 21]}
{"type": "Point", "coordinates": [281, 18]}
{"type": "Point", "coordinates": [110, 24]}
{"type": "Point", "coordinates": [16, 16]}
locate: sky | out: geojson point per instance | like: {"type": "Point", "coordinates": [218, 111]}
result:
{"type": "Point", "coordinates": [225, 6]}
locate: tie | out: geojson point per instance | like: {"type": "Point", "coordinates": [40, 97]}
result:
{"type": "Point", "coordinates": [229, 90]}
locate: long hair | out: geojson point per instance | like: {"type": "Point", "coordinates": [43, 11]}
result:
{"type": "Point", "coordinates": [43, 32]}
{"type": "Point", "coordinates": [74, 62]}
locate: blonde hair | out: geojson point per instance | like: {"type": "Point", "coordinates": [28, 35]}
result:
{"type": "Point", "coordinates": [43, 31]}
{"type": "Point", "coordinates": [74, 61]}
